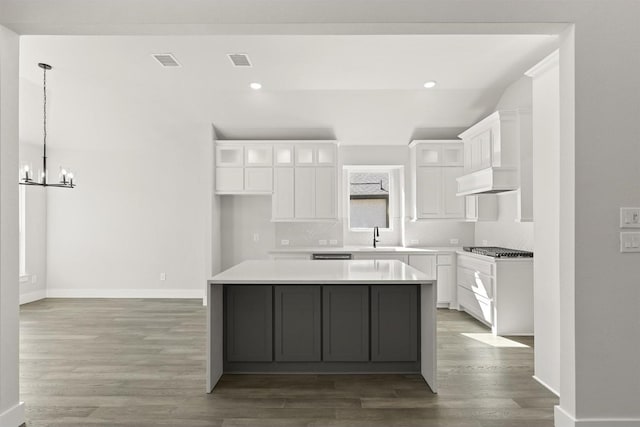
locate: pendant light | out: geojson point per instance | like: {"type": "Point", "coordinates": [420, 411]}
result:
{"type": "Point", "coordinates": [26, 173]}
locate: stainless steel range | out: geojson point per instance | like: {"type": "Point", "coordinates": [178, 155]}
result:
{"type": "Point", "coordinates": [497, 252]}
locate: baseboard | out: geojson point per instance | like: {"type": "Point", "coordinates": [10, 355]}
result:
{"type": "Point", "coordinates": [125, 293]}
{"type": "Point", "coordinates": [32, 296]}
{"type": "Point", "coordinates": [564, 419]}
{"type": "Point", "coordinates": [13, 417]}
{"type": "Point", "coordinates": [545, 385]}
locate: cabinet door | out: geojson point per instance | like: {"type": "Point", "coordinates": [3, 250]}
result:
{"type": "Point", "coordinates": [297, 323]}
{"type": "Point", "coordinates": [229, 180]}
{"type": "Point", "coordinates": [305, 198]}
{"type": "Point", "coordinates": [452, 154]}
{"type": "Point", "coordinates": [424, 263]}
{"type": "Point", "coordinates": [326, 154]}
{"type": "Point", "coordinates": [429, 154]}
{"type": "Point", "coordinates": [283, 155]}
{"type": "Point", "coordinates": [484, 140]}
{"type": "Point", "coordinates": [258, 155]}
{"type": "Point", "coordinates": [429, 189]}
{"type": "Point", "coordinates": [283, 187]}
{"type": "Point", "coordinates": [394, 323]}
{"type": "Point", "coordinates": [476, 154]}
{"type": "Point", "coordinates": [471, 208]}
{"type": "Point", "coordinates": [453, 206]}
{"type": "Point", "coordinates": [345, 323]}
{"type": "Point", "coordinates": [249, 327]}
{"type": "Point", "coordinates": [229, 155]}
{"type": "Point", "coordinates": [258, 180]}
{"type": "Point", "coordinates": [325, 193]}
{"type": "Point", "coordinates": [305, 155]}
{"type": "Point", "coordinates": [445, 283]}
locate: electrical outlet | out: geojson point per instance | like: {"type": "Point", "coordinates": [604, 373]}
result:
{"type": "Point", "coordinates": [163, 276]}
{"type": "Point", "coordinates": [333, 242]}
{"type": "Point", "coordinates": [414, 242]}
{"type": "Point", "coordinates": [630, 241]}
{"type": "Point", "coordinates": [485, 243]}
{"type": "Point", "coordinates": [34, 279]}
{"type": "Point", "coordinates": [256, 237]}
{"type": "Point", "coordinates": [322, 242]}
{"type": "Point", "coordinates": [284, 242]}
{"type": "Point", "coordinates": [454, 241]}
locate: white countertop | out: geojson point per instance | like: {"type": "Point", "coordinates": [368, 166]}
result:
{"type": "Point", "coordinates": [367, 249]}
{"type": "Point", "coordinates": [269, 272]}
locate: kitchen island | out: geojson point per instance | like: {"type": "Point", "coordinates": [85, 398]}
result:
{"type": "Point", "coordinates": [335, 316]}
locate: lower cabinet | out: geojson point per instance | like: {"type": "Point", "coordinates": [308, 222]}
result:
{"type": "Point", "coordinates": [248, 323]}
{"type": "Point", "coordinates": [345, 323]}
{"type": "Point", "coordinates": [297, 323]}
{"type": "Point", "coordinates": [394, 323]}
{"type": "Point", "coordinates": [357, 328]}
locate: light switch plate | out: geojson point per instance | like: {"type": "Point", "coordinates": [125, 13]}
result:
{"type": "Point", "coordinates": [333, 242]}
{"type": "Point", "coordinates": [630, 241]}
{"type": "Point", "coordinates": [322, 242]}
{"type": "Point", "coordinates": [414, 242]}
{"type": "Point", "coordinates": [454, 241]}
{"type": "Point", "coordinates": [629, 217]}
{"type": "Point", "coordinates": [284, 242]}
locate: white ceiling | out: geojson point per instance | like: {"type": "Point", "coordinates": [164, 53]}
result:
{"type": "Point", "coordinates": [359, 89]}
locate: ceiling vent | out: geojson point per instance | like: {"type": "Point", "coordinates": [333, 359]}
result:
{"type": "Point", "coordinates": [239, 59]}
{"type": "Point", "coordinates": [166, 59]}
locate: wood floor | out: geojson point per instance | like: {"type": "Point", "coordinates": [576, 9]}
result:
{"type": "Point", "coordinates": [100, 362]}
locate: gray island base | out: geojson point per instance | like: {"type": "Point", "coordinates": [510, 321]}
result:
{"type": "Point", "coordinates": [298, 316]}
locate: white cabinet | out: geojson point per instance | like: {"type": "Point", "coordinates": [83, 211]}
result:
{"type": "Point", "coordinates": [429, 192]}
{"type": "Point", "coordinates": [439, 268]}
{"type": "Point", "coordinates": [258, 180]}
{"type": "Point", "coordinates": [325, 193]}
{"type": "Point", "coordinates": [435, 167]}
{"type": "Point", "coordinates": [305, 182]}
{"type": "Point", "coordinates": [229, 155]}
{"type": "Point", "coordinates": [483, 207]}
{"type": "Point", "coordinates": [315, 154]}
{"type": "Point", "coordinates": [499, 293]}
{"type": "Point", "coordinates": [424, 263]}
{"type": "Point", "coordinates": [283, 155]}
{"type": "Point", "coordinates": [243, 168]}
{"type": "Point", "coordinates": [229, 180]}
{"type": "Point", "coordinates": [498, 157]}
{"type": "Point", "coordinates": [304, 193]}
{"type": "Point", "coordinates": [282, 202]}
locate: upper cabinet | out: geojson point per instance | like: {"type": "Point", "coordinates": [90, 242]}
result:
{"type": "Point", "coordinates": [309, 190]}
{"type": "Point", "coordinates": [243, 168]}
{"type": "Point", "coordinates": [435, 165]}
{"type": "Point", "coordinates": [498, 158]}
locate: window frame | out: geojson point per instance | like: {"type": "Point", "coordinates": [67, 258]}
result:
{"type": "Point", "coordinates": [390, 199]}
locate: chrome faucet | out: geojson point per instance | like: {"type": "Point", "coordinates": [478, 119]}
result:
{"type": "Point", "coordinates": [376, 233]}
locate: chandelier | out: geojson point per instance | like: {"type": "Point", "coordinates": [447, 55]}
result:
{"type": "Point", "coordinates": [65, 176]}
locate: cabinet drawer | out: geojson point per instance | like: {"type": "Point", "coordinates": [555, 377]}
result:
{"type": "Point", "coordinates": [485, 267]}
{"type": "Point", "coordinates": [477, 306]}
{"type": "Point", "coordinates": [476, 282]}
{"type": "Point", "coordinates": [445, 259]}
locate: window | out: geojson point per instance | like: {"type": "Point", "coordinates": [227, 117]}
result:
{"type": "Point", "coordinates": [22, 228]}
{"type": "Point", "coordinates": [369, 199]}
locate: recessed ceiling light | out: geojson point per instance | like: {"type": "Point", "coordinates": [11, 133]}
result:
{"type": "Point", "coordinates": [430, 84]}
{"type": "Point", "coordinates": [255, 86]}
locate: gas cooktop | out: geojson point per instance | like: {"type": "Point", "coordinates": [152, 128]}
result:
{"type": "Point", "coordinates": [497, 252]}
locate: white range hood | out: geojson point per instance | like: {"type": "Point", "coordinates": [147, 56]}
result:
{"type": "Point", "coordinates": [488, 181]}
{"type": "Point", "coordinates": [497, 150]}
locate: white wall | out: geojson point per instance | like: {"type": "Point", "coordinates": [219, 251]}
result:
{"type": "Point", "coordinates": [11, 409]}
{"type": "Point", "coordinates": [34, 288]}
{"type": "Point", "coordinates": [505, 231]}
{"type": "Point", "coordinates": [241, 218]}
{"type": "Point", "coordinates": [546, 267]}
